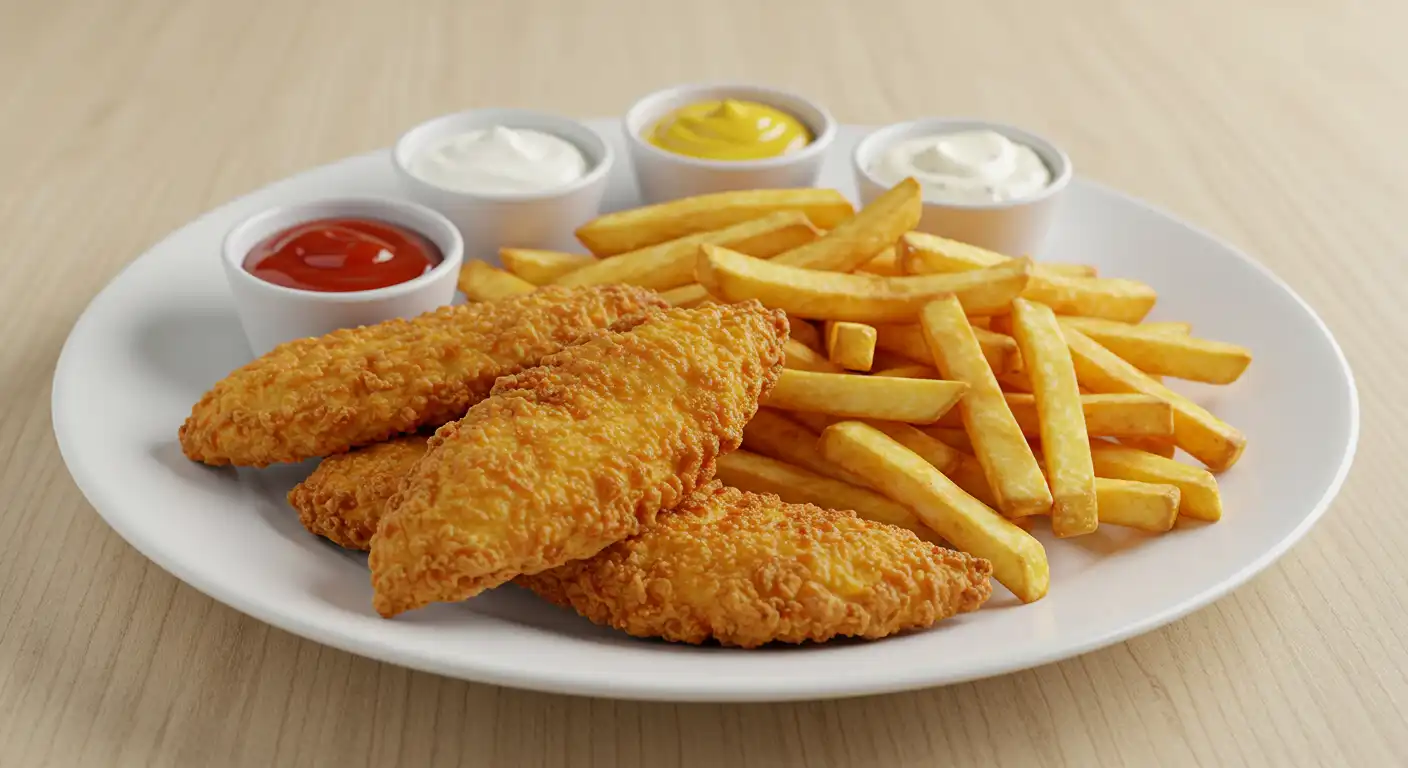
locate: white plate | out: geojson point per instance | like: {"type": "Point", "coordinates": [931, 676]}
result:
{"type": "Point", "coordinates": [164, 330]}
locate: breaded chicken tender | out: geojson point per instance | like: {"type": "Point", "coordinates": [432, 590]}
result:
{"type": "Point", "coordinates": [747, 569]}
{"type": "Point", "coordinates": [345, 497]}
{"type": "Point", "coordinates": [576, 454]}
{"type": "Point", "coordinates": [321, 396]}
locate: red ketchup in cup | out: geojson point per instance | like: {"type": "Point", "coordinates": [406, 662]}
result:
{"type": "Point", "coordinates": [342, 255]}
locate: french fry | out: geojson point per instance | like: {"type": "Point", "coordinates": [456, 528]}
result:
{"type": "Point", "coordinates": [916, 401]}
{"type": "Point", "coordinates": [883, 359]}
{"type": "Point", "coordinates": [928, 447]}
{"type": "Point", "coordinates": [1061, 422]}
{"type": "Point", "coordinates": [805, 332]}
{"type": "Point", "coordinates": [1108, 297]}
{"type": "Point", "coordinates": [638, 228]}
{"type": "Point", "coordinates": [915, 371]}
{"type": "Point", "coordinates": [1167, 326]}
{"type": "Point", "coordinates": [795, 485]}
{"type": "Point", "coordinates": [541, 267]}
{"type": "Point", "coordinates": [691, 295]}
{"type": "Point", "coordinates": [1205, 437]}
{"type": "Point", "coordinates": [1121, 416]}
{"type": "Point", "coordinates": [772, 434]}
{"type": "Point", "coordinates": [908, 340]}
{"type": "Point", "coordinates": [479, 281]}
{"type": "Point", "coordinates": [1018, 560]}
{"type": "Point", "coordinates": [816, 422]}
{"type": "Point", "coordinates": [953, 438]}
{"type": "Point", "coordinates": [850, 345]}
{"type": "Point", "coordinates": [1199, 498]}
{"type": "Point", "coordinates": [921, 254]}
{"type": "Point", "coordinates": [859, 239]}
{"type": "Point", "coordinates": [800, 357]}
{"type": "Point", "coordinates": [1159, 446]}
{"type": "Point", "coordinates": [1146, 506]}
{"type": "Point", "coordinates": [980, 322]}
{"type": "Point", "coordinates": [1160, 353]}
{"type": "Point", "coordinates": [671, 264]}
{"type": "Point", "coordinates": [886, 263]}
{"type": "Point", "coordinates": [1015, 381]}
{"type": "Point", "coordinates": [859, 298]}
{"type": "Point", "coordinates": [998, 443]}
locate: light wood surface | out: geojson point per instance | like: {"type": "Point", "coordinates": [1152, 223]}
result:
{"type": "Point", "coordinates": [1278, 125]}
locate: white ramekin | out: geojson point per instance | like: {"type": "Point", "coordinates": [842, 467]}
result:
{"type": "Point", "coordinates": [273, 314]}
{"type": "Point", "coordinates": [663, 175]}
{"type": "Point", "coordinates": [1013, 227]}
{"type": "Point", "coordinates": [489, 222]}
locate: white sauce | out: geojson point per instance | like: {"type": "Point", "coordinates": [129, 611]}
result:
{"type": "Point", "coordinates": [978, 166]}
{"type": "Point", "coordinates": [500, 160]}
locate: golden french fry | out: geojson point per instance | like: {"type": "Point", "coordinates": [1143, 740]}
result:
{"type": "Point", "coordinates": [1167, 326]}
{"type": "Point", "coordinates": [1108, 297]}
{"type": "Point", "coordinates": [886, 263]}
{"type": "Point", "coordinates": [859, 239]}
{"type": "Point", "coordinates": [638, 228]}
{"type": "Point", "coordinates": [916, 401]}
{"type": "Point", "coordinates": [1146, 506]}
{"type": "Point", "coordinates": [772, 434]}
{"type": "Point", "coordinates": [915, 371]}
{"type": "Point", "coordinates": [883, 359]}
{"type": "Point", "coordinates": [800, 357]}
{"type": "Point", "coordinates": [908, 340]}
{"type": "Point", "coordinates": [980, 322]}
{"type": "Point", "coordinates": [850, 345]}
{"type": "Point", "coordinates": [929, 448]}
{"type": "Point", "coordinates": [1160, 353]}
{"type": "Point", "coordinates": [998, 443]}
{"type": "Point", "coordinates": [859, 298]}
{"type": "Point", "coordinates": [922, 254]}
{"type": "Point", "coordinates": [1199, 498]}
{"type": "Point", "coordinates": [479, 281]}
{"type": "Point", "coordinates": [1061, 420]}
{"type": "Point", "coordinates": [1018, 560]}
{"type": "Point", "coordinates": [671, 264]}
{"type": "Point", "coordinates": [691, 295]}
{"type": "Point", "coordinates": [816, 422]}
{"type": "Point", "coordinates": [795, 485]}
{"type": "Point", "coordinates": [953, 438]}
{"type": "Point", "coordinates": [1015, 381]}
{"type": "Point", "coordinates": [1122, 415]}
{"type": "Point", "coordinates": [968, 475]}
{"type": "Point", "coordinates": [541, 267]}
{"type": "Point", "coordinates": [805, 332]}
{"type": "Point", "coordinates": [1204, 436]}
{"type": "Point", "coordinates": [1159, 446]}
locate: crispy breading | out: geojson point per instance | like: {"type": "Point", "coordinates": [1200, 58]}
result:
{"type": "Point", "coordinates": [345, 497]}
{"type": "Point", "coordinates": [747, 569]}
{"type": "Point", "coordinates": [580, 452]}
{"type": "Point", "coordinates": [356, 386]}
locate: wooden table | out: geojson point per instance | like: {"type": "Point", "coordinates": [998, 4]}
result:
{"type": "Point", "coordinates": [1280, 128]}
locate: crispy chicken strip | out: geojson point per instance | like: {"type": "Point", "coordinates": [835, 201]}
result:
{"type": "Point", "coordinates": [576, 454]}
{"type": "Point", "coordinates": [747, 569]}
{"type": "Point", "coordinates": [321, 396]}
{"type": "Point", "coordinates": [345, 497]}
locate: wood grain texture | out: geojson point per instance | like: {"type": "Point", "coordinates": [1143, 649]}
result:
{"type": "Point", "coordinates": [1279, 126]}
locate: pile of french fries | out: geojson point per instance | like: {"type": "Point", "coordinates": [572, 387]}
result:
{"type": "Point", "coordinates": [929, 384]}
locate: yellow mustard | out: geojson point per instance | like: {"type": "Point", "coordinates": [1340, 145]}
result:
{"type": "Point", "coordinates": [729, 130]}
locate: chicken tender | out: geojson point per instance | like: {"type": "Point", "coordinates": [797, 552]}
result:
{"type": "Point", "coordinates": [345, 497]}
{"type": "Point", "coordinates": [747, 569]}
{"type": "Point", "coordinates": [355, 386]}
{"type": "Point", "coordinates": [576, 454]}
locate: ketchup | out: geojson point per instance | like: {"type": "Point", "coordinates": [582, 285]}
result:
{"type": "Point", "coordinates": [340, 255]}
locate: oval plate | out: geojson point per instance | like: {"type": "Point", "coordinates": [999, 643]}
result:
{"type": "Point", "coordinates": [165, 330]}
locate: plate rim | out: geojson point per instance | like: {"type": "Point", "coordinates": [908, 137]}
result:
{"type": "Point", "coordinates": [805, 690]}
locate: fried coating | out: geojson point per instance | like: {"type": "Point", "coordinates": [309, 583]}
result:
{"type": "Point", "coordinates": [345, 497]}
{"type": "Point", "coordinates": [747, 569]}
{"type": "Point", "coordinates": [355, 386]}
{"type": "Point", "coordinates": [580, 452]}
